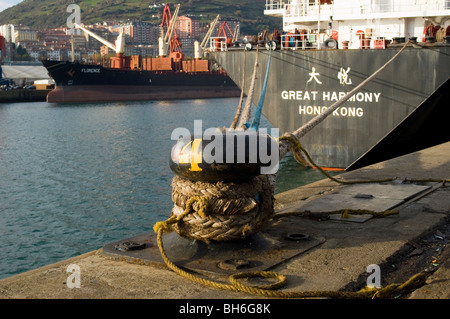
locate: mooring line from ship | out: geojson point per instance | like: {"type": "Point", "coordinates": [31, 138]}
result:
{"type": "Point", "coordinates": [241, 99]}
{"type": "Point", "coordinates": [244, 123]}
{"type": "Point", "coordinates": [298, 150]}
{"type": "Point", "coordinates": [257, 118]}
{"type": "Point", "coordinates": [248, 103]}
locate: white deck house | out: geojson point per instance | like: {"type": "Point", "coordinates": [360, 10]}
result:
{"type": "Point", "coordinates": [352, 20]}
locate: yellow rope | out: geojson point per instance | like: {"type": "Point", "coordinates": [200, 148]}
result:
{"type": "Point", "coordinates": [236, 285]}
{"type": "Point", "coordinates": [166, 225]}
{"type": "Point", "coordinates": [270, 290]}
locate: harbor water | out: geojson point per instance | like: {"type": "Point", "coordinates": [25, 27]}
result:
{"type": "Point", "coordinates": [76, 177]}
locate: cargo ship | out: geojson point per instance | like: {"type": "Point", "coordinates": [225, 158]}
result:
{"type": "Point", "coordinates": [77, 82]}
{"type": "Point", "coordinates": [327, 48]}
{"type": "Point", "coordinates": [134, 78]}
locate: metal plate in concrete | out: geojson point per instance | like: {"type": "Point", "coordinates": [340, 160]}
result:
{"type": "Point", "coordinates": [263, 251]}
{"type": "Point", "coordinates": [373, 197]}
{"type": "Point", "coordinates": [393, 191]}
{"type": "Point", "coordinates": [351, 218]}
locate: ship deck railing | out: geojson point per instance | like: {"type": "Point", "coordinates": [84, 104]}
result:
{"type": "Point", "coordinates": [297, 41]}
{"type": "Point", "coordinates": [218, 44]}
{"type": "Point", "coordinates": [289, 41]}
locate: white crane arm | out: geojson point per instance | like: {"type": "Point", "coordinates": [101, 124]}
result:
{"type": "Point", "coordinates": [169, 33]}
{"type": "Point", "coordinates": [208, 34]}
{"type": "Point", "coordinates": [92, 34]}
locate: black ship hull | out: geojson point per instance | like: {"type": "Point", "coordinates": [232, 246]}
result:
{"type": "Point", "coordinates": [76, 82]}
{"type": "Point", "coordinates": [404, 109]}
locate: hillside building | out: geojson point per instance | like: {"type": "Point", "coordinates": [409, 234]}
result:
{"type": "Point", "coordinates": [142, 38]}
{"type": "Point", "coordinates": [135, 32]}
{"type": "Point", "coordinates": [2, 47]}
{"type": "Point", "coordinates": [189, 30]}
{"type": "Point", "coordinates": [8, 31]}
{"type": "Point", "coordinates": [188, 27]}
{"type": "Point", "coordinates": [25, 35]}
{"type": "Point", "coordinates": [155, 33]}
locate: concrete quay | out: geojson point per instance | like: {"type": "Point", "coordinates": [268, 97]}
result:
{"type": "Point", "coordinates": [414, 240]}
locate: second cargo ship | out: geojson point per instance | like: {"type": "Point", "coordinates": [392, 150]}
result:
{"type": "Point", "coordinates": [77, 82]}
{"type": "Point", "coordinates": [133, 78]}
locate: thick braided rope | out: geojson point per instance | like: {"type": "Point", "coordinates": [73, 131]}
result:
{"type": "Point", "coordinates": [221, 211]}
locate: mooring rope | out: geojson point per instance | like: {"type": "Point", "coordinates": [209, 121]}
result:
{"type": "Point", "coordinates": [199, 206]}
{"type": "Point", "coordinates": [248, 103]}
{"type": "Point", "coordinates": [221, 211]}
{"type": "Point", "coordinates": [299, 152]}
{"type": "Point", "coordinates": [256, 120]}
{"type": "Point", "coordinates": [241, 99]}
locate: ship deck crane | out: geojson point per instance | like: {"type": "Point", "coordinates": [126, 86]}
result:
{"type": "Point", "coordinates": [118, 47]}
{"type": "Point", "coordinates": [170, 41]}
{"type": "Point", "coordinates": [201, 47]}
{"type": "Point", "coordinates": [224, 31]}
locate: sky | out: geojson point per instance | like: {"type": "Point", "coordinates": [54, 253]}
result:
{"type": "Point", "coordinates": [4, 4]}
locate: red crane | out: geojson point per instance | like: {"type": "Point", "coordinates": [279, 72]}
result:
{"type": "Point", "coordinates": [171, 36]}
{"type": "Point", "coordinates": [224, 31]}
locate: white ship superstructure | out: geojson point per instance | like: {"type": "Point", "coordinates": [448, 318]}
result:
{"type": "Point", "coordinates": [355, 24]}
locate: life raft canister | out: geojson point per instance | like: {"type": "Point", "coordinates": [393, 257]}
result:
{"type": "Point", "coordinates": [217, 44]}
{"type": "Point", "coordinates": [228, 157]}
{"type": "Point", "coordinates": [288, 40]}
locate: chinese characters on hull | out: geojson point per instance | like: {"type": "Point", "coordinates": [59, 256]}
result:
{"type": "Point", "coordinates": [330, 96]}
{"type": "Point", "coordinates": [314, 76]}
{"type": "Point", "coordinates": [342, 76]}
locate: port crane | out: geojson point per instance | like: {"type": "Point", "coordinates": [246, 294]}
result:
{"type": "Point", "coordinates": [170, 40]}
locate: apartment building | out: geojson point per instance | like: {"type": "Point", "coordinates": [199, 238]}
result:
{"type": "Point", "coordinates": [8, 31]}
{"type": "Point", "coordinates": [137, 33]}
{"type": "Point", "coordinates": [188, 27]}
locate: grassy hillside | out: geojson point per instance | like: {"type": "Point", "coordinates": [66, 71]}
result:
{"type": "Point", "coordinates": [44, 14]}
